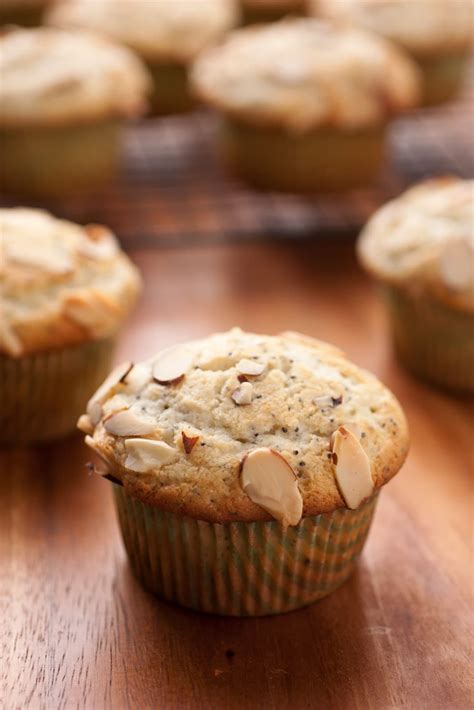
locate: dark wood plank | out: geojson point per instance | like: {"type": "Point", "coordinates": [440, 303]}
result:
{"type": "Point", "coordinates": [78, 630]}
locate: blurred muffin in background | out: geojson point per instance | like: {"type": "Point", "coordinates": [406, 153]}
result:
{"type": "Point", "coordinates": [64, 96]}
{"type": "Point", "coordinates": [66, 291]}
{"type": "Point", "coordinates": [23, 12]}
{"type": "Point", "coordinates": [167, 35]}
{"type": "Point", "coordinates": [305, 103]}
{"type": "Point", "coordinates": [270, 10]}
{"type": "Point", "coordinates": [438, 35]}
{"type": "Point", "coordinates": [420, 248]}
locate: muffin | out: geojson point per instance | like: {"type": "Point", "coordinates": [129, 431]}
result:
{"type": "Point", "coordinates": [420, 248]}
{"type": "Point", "coordinates": [436, 33]}
{"type": "Point", "coordinates": [65, 292]}
{"type": "Point", "coordinates": [167, 35]}
{"type": "Point", "coordinates": [270, 10]}
{"type": "Point", "coordinates": [246, 468]}
{"type": "Point", "coordinates": [63, 98]}
{"type": "Point", "coordinates": [22, 12]}
{"type": "Point", "coordinates": [305, 103]}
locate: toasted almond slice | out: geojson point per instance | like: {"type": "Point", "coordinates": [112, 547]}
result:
{"type": "Point", "coordinates": [250, 367]}
{"type": "Point", "coordinates": [137, 378]}
{"type": "Point", "coordinates": [269, 481]}
{"type": "Point", "coordinates": [456, 263]}
{"type": "Point", "coordinates": [54, 261]}
{"type": "Point", "coordinates": [147, 454]}
{"type": "Point", "coordinates": [243, 394]}
{"type": "Point", "coordinates": [128, 423]}
{"type": "Point", "coordinates": [328, 400]}
{"type": "Point", "coordinates": [99, 244]}
{"type": "Point", "coordinates": [85, 424]}
{"type": "Point", "coordinates": [352, 468]}
{"type": "Point", "coordinates": [189, 442]}
{"type": "Point", "coordinates": [172, 364]}
{"type": "Point", "coordinates": [94, 406]}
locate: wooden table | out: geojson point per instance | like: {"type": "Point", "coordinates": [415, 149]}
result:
{"type": "Point", "coordinates": [79, 632]}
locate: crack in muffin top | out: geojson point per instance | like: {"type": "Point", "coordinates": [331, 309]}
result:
{"type": "Point", "coordinates": [183, 401]}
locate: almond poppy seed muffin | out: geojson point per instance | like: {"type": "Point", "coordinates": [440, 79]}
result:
{"type": "Point", "coordinates": [65, 292]}
{"type": "Point", "coordinates": [438, 35]}
{"type": "Point", "coordinates": [305, 103]}
{"type": "Point", "coordinates": [242, 435]}
{"type": "Point", "coordinates": [60, 110]}
{"type": "Point", "coordinates": [420, 248]}
{"type": "Point", "coordinates": [166, 35]}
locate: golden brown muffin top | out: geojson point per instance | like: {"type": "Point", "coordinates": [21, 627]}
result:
{"type": "Point", "coordinates": [302, 74]}
{"type": "Point", "coordinates": [159, 30]}
{"type": "Point", "coordinates": [240, 426]}
{"type": "Point", "coordinates": [423, 27]}
{"type": "Point", "coordinates": [51, 76]}
{"type": "Point", "coordinates": [424, 241]}
{"type": "Point", "coordinates": [61, 284]}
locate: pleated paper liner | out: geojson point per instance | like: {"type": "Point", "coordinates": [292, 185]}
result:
{"type": "Point", "coordinates": [241, 569]}
{"type": "Point", "coordinates": [42, 395]}
{"type": "Point", "coordinates": [433, 341]}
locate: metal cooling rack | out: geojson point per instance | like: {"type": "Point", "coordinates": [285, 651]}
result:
{"type": "Point", "coordinates": [173, 190]}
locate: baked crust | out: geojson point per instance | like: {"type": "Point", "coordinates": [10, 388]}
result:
{"type": "Point", "coordinates": [57, 77]}
{"type": "Point", "coordinates": [163, 31]}
{"type": "Point", "coordinates": [431, 27]}
{"type": "Point", "coordinates": [302, 74]}
{"type": "Point", "coordinates": [413, 241]}
{"type": "Point", "coordinates": [292, 412]}
{"type": "Point", "coordinates": [61, 284]}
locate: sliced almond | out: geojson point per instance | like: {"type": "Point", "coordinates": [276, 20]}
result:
{"type": "Point", "coordinates": [270, 482]}
{"type": "Point", "coordinates": [128, 423]}
{"type": "Point", "coordinates": [243, 394]}
{"type": "Point", "coordinates": [147, 454]}
{"type": "Point", "coordinates": [137, 378]}
{"type": "Point", "coordinates": [84, 424]}
{"type": "Point", "coordinates": [352, 467]}
{"type": "Point", "coordinates": [456, 263]}
{"type": "Point", "coordinates": [328, 400]}
{"type": "Point", "coordinates": [51, 260]}
{"type": "Point", "coordinates": [250, 367]}
{"type": "Point", "coordinates": [94, 406]}
{"type": "Point", "coordinates": [189, 442]}
{"type": "Point", "coordinates": [99, 243]}
{"type": "Point", "coordinates": [172, 364]}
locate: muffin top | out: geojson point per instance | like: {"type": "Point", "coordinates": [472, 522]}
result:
{"type": "Point", "coordinates": [302, 73]}
{"type": "Point", "coordinates": [247, 427]}
{"type": "Point", "coordinates": [52, 76]}
{"type": "Point", "coordinates": [424, 240]}
{"type": "Point", "coordinates": [274, 4]}
{"type": "Point", "coordinates": [61, 284]}
{"type": "Point", "coordinates": [422, 27]}
{"type": "Point", "coordinates": [162, 29]}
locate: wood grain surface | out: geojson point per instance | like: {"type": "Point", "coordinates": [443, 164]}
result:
{"type": "Point", "coordinates": [78, 631]}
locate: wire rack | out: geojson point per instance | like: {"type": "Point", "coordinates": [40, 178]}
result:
{"type": "Point", "coordinates": [173, 190]}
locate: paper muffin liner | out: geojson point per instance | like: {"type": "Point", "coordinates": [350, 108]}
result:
{"type": "Point", "coordinates": [241, 569]}
{"type": "Point", "coordinates": [435, 342]}
{"type": "Point", "coordinates": [325, 159]}
{"type": "Point", "coordinates": [43, 394]}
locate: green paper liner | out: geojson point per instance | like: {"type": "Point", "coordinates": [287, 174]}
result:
{"type": "Point", "coordinates": [433, 341]}
{"type": "Point", "coordinates": [241, 569]}
{"type": "Point", "coordinates": [43, 394]}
